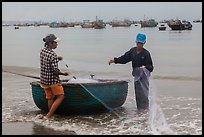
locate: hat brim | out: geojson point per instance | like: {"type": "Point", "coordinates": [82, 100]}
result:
{"type": "Point", "coordinates": [57, 40]}
{"type": "Point", "coordinates": [141, 41]}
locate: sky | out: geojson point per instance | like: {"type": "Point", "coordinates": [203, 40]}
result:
{"type": "Point", "coordinates": [108, 11]}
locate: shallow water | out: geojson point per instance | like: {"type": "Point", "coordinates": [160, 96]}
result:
{"type": "Point", "coordinates": [176, 79]}
{"type": "Point", "coordinates": [183, 113]}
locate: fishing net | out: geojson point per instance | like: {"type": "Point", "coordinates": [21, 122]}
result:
{"type": "Point", "coordinates": [156, 118]}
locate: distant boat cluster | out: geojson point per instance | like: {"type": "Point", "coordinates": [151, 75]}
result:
{"type": "Point", "coordinates": [100, 24]}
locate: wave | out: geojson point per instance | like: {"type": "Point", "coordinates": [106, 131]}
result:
{"type": "Point", "coordinates": [28, 70]}
{"type": "Point", "coordinates": [177, 78]}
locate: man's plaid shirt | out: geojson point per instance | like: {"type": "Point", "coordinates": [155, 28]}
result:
{"type": "Point", "coordinates": [48, 64]}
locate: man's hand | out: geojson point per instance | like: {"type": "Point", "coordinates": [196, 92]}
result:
{"type": "Point", "coordinates": [110, 61]}
{"type": "Point", "coordinates": [142, 66]}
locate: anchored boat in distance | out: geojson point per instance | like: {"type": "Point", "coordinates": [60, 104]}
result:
{"type": "Point", "coordinates": [179, 25]}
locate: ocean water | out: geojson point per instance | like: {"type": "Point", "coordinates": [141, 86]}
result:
{"type": "Point", "coordinates": [175, 84]}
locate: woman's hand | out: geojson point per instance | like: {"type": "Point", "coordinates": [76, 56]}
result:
{"type": "Point", "coordinates": [66, 74]}
{"type": "Point", "coordinates": [60, 58]}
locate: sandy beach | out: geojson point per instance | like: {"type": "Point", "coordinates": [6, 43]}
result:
{"type": "Point", "coordinates": [31, 129]}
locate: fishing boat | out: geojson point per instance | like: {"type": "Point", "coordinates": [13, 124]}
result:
{"type": "Point", "coordinates": [197, 21]}
{"type": "Point", "coordinates": [54, 25]}
{"type": "Point", "coordinates": [120, 24]}
{"type": "Point", "coordinates": [99, 24]}
{"type": "Point", "coordinates": [58, 25]}
{"type": "Point", "coordinates": [162, 27]}
{"type": "Point", "coordinates": [148, 23]}
{"type": "Point", "coordinates": [70, 24]}
{"type": "Point", "coordinates": [84, 98]}
{"type": "Point", "coordinates": [179, 25]}
{"type": "Point", "coordinates": [16, 27]}
{"type": "Point", "coordinates": [87, 24]}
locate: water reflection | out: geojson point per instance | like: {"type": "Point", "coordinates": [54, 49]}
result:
{"type": "Point", "coordinates": [42, 130]}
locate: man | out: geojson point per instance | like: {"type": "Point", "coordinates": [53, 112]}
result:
{"type": "Point", "coordinates": [142, 67]}
{"type": "Point", "coordinates": [49, 74]}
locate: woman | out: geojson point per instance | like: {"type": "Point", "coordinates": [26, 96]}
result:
{"type": "Point", "coordinates": [49, 74]}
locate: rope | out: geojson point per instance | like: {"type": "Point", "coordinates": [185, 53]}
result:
{"type": "Point", "coordinates": [30, 76]}
{"type": "Point", "coordinates": [105, 105]}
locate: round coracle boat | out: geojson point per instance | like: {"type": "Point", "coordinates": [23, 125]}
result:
{"type": "Point", "coordinates": [85, 96]}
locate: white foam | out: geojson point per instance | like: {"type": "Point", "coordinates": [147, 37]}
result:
{"type": "Point", "coordinates": [157, 119]}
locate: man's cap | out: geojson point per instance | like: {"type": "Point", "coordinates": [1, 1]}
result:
{"type": "Point", "coordinates": [51, 38]}
{"type": "Point", "coordinates": [140, 38]}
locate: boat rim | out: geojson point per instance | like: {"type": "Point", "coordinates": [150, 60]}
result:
{"type": "Point", "coordinates": [100, 82]}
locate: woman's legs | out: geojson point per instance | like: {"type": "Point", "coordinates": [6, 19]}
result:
{"type": "Point", "coordinates": [54, 106]}
{"type": "Point", "coordinates": [50, 102]}
{"type": "Point", "coordinates": [58, 91]}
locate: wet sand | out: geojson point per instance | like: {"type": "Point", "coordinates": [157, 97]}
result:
{"type": "Point", "coordinates": [30, 128]}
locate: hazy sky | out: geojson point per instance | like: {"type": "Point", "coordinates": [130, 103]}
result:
{"type": "Point", "coordinates": [79, 11]}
